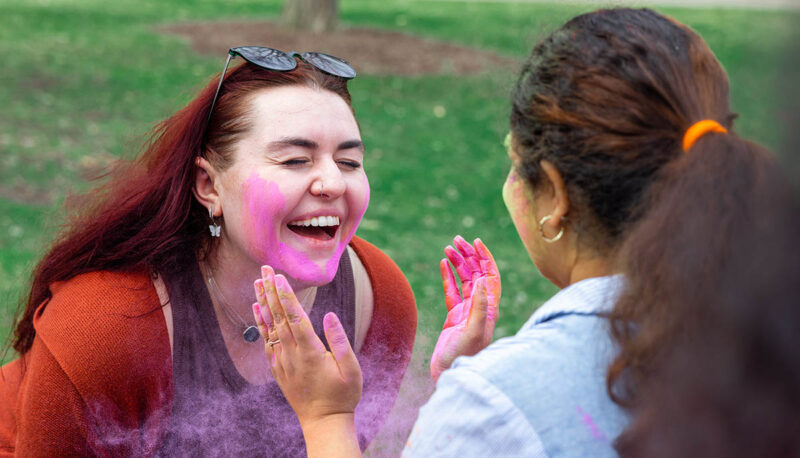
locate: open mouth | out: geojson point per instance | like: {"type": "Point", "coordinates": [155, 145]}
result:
{"type": "Point", "coordinates": [318, 228]}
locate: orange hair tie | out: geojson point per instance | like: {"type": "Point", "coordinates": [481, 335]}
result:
{"type": "Point", "coordinates": [699, 129]}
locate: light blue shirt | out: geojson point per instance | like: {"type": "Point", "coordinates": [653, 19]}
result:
{"type": "Point", "coordinates": [540, 393]}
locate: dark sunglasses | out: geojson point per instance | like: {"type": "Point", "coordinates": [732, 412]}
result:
{"type": "Point", "coordinates": [279, 61]}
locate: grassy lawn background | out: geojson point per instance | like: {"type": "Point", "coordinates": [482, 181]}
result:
{"type": "Point", "coordinates": [83, 81]}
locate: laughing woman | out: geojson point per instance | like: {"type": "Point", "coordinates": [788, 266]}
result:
{"type": "Point", "coordinates": [137, 336]}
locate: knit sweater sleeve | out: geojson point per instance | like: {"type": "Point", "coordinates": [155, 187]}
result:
{"type": "Point", "coordinates": [386, 352]}
{"type": "Point", "coordinates": [98, 378]}
{"type": "Point", "coordinates": [53, 418]}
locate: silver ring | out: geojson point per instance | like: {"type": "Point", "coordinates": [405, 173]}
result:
{"type": "Point", "coordinates": [273, 342]}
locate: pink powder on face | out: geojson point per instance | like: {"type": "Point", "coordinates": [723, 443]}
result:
{"type": "Point", "coordinates": [267, 209]}
{"type": "Point", "coordinates": [333, 263]}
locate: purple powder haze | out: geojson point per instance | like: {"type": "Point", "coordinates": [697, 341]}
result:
{"type": "Point", "coordinates": [416, 389]}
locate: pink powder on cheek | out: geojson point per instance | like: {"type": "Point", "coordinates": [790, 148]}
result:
{"type": "Point", "coordinates": [333, 263]}
{"type": "Point", "coordinates": [264, 202]}
{"type": "Point", "coordinates": [266, 205]}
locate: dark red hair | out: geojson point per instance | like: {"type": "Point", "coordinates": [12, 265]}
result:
{"type": "Point", "coordinates": [144, 217]}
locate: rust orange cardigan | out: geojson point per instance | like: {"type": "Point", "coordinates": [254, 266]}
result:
{"type": "Point", "coordinates": [98, 379]}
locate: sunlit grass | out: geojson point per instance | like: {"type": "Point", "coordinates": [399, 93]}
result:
{"type": "Point", "coordinates": [83, 81]}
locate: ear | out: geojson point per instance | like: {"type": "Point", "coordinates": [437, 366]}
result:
{"type": "Point", "coordinates": [560, 199]}
{"type": "Point", "coordinates": [204, 189]}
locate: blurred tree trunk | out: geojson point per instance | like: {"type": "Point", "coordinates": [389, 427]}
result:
{"type": "Point", "coordinates": [313, 15]}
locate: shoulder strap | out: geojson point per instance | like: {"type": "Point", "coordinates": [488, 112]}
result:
{"type": "Point", "coordinates": [394, 315]}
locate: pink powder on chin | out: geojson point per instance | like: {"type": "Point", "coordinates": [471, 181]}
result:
{"type": "Point", "coordinates": [266, 203]}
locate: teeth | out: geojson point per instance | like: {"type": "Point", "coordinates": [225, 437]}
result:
{"type": "Point", "coordinates": [317, 221]}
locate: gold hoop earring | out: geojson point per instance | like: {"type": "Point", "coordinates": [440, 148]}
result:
{"type": "Point", "coordinates": [541, 230]}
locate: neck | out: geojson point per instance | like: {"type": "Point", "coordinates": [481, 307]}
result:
{"type": "Point", "coordinates": [590, 267]}
{"type": "Point", "coordinates": [233, 284]}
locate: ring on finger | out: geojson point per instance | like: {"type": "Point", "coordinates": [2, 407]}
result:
{"type": "Point", "coordinates": [273, 342]}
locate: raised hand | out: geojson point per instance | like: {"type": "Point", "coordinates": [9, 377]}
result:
{"type": "Point", "coordinates": [323, 387]}
{"type": "Point", "coordinates": [471, 316]}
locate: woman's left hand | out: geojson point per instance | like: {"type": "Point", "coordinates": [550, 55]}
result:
{"type": "Point", "coordinates": [323, 387]}
{"type": "Point", "coordinates": [470, 321]}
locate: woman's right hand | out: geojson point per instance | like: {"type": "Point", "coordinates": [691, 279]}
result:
{"type": "Point", "coordinates": [470, 321]}
{"type": "Point", "coordinates": [323, 387]}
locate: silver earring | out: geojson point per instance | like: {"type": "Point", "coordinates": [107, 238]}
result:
{"type": "Point", "coordinates": [213, 227]}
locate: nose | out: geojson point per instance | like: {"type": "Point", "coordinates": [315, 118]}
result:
{"type": "Point", "coordinates": [329, 181]}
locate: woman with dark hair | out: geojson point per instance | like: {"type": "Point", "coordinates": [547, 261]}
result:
{"type": "Point", "coordinates": [137, 337]}
{"type": "Point", "coordinates": [614, 103]}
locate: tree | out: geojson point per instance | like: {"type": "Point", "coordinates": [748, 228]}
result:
{"type": "Point", "coordinates": [314, 15]}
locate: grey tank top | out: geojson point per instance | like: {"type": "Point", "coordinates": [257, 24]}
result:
{"type": "Point", "coordinates": [215, 411]}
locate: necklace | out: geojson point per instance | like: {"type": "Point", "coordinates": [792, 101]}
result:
{"type": "Point", "coordinates": [250, 333]}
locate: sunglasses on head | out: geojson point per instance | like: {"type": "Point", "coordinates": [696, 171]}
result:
{"type": "Point", "coordinates": [279, 61]}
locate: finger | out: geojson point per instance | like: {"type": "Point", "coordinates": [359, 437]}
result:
{"type": "Point", "coordinates": [476, 321]}
{"type": "Point", "coordinates": [281, 328]}
{"type": "Point", "coordinates": [263, 310]}
{"type": "Point", "coordinates": [462, 269]}
{"type": "Point", "coordinates": [451, 294]}
{"type": "Point", "coordinates": [302, 329]}
{"type": "Point", "coordinates": [470, 256]}
{"type": "Point", "coordinates": [261, 321]}
{"type": "Point", "coordinates": [463, 246]}
{"type": "Point", "coordinates": [340, 347]}
{"type": "Point", "coordinates": [269, 333]}
{"type": "Point", "coordinates": [489, 267]}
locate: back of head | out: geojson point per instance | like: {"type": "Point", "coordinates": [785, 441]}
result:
{"type": "Point", "coordinates": [606, 99]}
{"type": "Point", "coordinates": [145, 217]}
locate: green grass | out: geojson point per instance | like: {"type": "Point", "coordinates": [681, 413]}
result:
{"type": "Point", "coordinates": [83, 81]}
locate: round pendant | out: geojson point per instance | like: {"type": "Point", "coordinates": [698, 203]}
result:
{"type": "Point", "coordinates": [251, 334]}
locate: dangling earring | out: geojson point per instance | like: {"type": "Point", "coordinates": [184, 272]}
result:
{"type": "Point", "coordinates": [541, 230]}
{"type": "Point", "coordinates": [213, 227]}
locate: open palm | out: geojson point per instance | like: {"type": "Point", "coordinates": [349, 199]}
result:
{"type": "Point", "coordinates": [471, 316]}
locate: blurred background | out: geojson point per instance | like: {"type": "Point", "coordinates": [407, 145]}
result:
{"type": "Point", "coordinates": [83, 81]}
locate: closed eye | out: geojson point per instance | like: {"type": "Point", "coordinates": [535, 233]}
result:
{"type": "Point", "coordinates": [350, 164]}
{"type": "Point", "coordinates": [292, 162]}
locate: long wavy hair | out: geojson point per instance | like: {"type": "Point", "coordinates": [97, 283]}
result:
{"type": "Point", "coordinates": [607, 99]}
{"type": "Point", "coordinates": [144, 217]}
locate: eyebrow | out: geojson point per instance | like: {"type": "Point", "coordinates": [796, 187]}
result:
{"type": "Point", "coordinates": [312, 145]}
